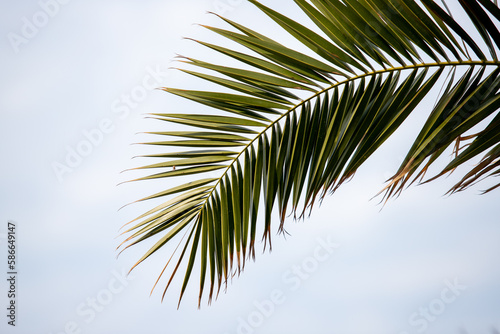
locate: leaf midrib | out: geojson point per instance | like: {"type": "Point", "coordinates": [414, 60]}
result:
{"type": "Point", "coordinates": [337, 84]}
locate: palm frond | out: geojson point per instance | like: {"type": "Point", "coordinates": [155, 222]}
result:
{"type": "Point", "coordinates": [375, 61]}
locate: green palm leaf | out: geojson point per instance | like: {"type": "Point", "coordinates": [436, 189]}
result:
{"type": "Point", "coordinates": [375, 62]}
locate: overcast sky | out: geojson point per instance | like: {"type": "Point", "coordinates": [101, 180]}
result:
{"type": "Point", "coordinates": [76, 79]}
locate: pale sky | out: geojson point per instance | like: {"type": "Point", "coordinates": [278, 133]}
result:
{"type": "Point", "coordinates": [75, 83]}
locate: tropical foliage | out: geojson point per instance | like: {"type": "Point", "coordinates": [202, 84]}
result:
{"type": "Point", "coordinates": [289, 127]}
